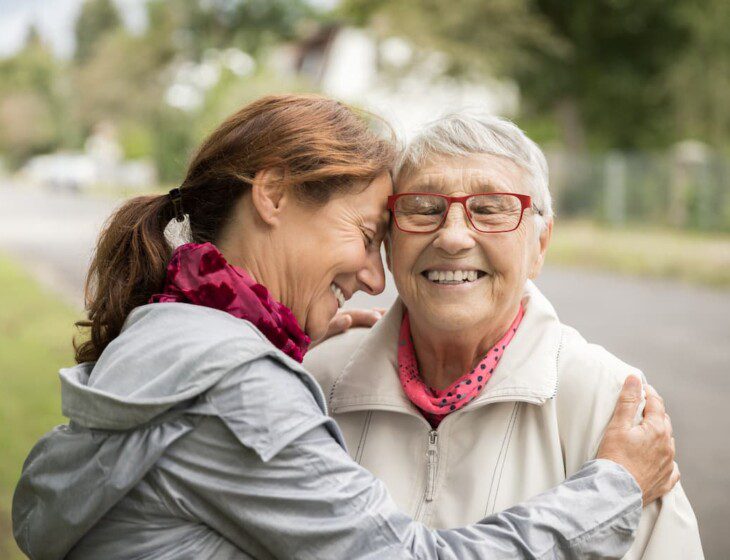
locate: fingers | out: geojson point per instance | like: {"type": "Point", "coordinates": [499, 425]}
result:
{"type": "Point", "coordinates": [654, 404]}
{"type": "Point", "coordinates": [628, 403]}
{"type": "Point", "coordinates": [339, 323]}
{"type": "Point", "coordinates": [362, 317]}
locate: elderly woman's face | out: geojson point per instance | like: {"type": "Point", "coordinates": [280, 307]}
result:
{"type": "Point", "coordinates": [503, 261]}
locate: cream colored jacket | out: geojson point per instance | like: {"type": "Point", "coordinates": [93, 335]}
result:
{"type": "Point", "coordinates": [539, 418]}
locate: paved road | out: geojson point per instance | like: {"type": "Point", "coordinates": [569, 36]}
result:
{"type": "Point", "coordinates": [678, 335]}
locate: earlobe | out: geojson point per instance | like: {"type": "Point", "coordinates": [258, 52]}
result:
{"type": "Point", "coordinates": [268, 195]}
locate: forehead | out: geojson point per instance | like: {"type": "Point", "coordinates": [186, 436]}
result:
{"type": "Point", "coordinates": [467, 174]}
{"type": "Point", "coordinates": [368, 203]}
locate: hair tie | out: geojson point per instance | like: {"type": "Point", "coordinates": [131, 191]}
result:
{"type": "Point", "coordinates": [176, 198]}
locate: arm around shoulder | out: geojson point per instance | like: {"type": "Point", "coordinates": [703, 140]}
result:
{"type": "Point", "coordinates": [590, 380]}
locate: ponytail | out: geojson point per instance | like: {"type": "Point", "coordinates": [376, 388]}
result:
{"type": "Point", "coordinates": [127, 268]}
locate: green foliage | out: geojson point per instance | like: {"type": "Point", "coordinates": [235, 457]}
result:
{"type": "Point", "coordinates": [700, 77]}
{"type": "Point", "coordinates": [97, 18]}
{"type": "Point", "coordinates": [121, 79]}
{"type": "Point", "coordinates": [606, 71]}
{"type": "Point", "coordinates": [35, 341]}
{"type": "Point", "coordinates": [32, 102]}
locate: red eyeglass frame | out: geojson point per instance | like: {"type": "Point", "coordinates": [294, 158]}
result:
{"type": "Point", "coordinates": [525, 201]}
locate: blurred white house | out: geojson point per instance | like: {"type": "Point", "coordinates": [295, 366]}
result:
{"type": "Point", "coordinates": [389, 77]}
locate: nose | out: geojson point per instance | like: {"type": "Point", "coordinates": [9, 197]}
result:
{"type": "Point", "coordinates": [371, 277]}
{"type": "Point", "coordinates": [456, 234]}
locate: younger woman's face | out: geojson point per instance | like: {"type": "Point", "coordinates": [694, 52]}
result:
{"type": "Point", "coordinates": [334, 250]}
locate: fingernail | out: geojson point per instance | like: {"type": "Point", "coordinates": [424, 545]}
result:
{"type": "Point", "coordinates": [633, 383]}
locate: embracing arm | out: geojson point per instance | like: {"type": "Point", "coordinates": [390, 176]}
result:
{"type": "Point", "coordinates": [267, 473]}
{"type": "Point", "coordinates": [668, 527]}
{"type": "Point", "coordinates": [312, 501]}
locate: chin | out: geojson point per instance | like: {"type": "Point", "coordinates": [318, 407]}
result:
{"type": "Point", "coordinates": [317, 324]}
{"type": "Point", "coordinates": [456, 317]}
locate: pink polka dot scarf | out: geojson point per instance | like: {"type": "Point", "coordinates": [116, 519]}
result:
{"type": "Point", "coordinates": [435, 404]}
{"type": "Point", "coordinates": [199, 274]}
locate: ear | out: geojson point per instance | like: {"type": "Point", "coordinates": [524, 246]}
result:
{"type": "Point", "coordinates": [543, 241]}
{"type": "Point", "coordinates": [269, 195]}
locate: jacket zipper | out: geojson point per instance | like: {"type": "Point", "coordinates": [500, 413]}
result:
{"type": "Point", "coordinates": [432, 456]}
{"type": "Point", "coordinates": [432, 460]}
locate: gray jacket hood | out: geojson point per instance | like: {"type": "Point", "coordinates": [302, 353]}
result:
{"type": "Point", "coordinates": [131, 402]}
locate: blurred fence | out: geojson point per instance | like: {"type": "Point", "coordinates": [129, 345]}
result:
{"type": "Point", "coordinates": [687, 187]}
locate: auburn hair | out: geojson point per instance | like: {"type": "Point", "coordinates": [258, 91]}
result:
{"type": "Point", "coordinates": [323, 148]}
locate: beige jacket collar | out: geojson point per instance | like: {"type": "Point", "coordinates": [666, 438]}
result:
{"type": "Point", "coordinates": [527, 371]}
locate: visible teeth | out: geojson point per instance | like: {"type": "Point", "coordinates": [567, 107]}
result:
{"type": "Point", "coordinates": [452, 276]}
{"type": "Point", "coordinates": [338, 294]}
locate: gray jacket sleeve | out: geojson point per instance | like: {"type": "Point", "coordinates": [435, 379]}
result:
{"type": "Point", "coordinates": [310, 500]}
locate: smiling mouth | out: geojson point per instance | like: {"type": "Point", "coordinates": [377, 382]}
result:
{"type": "Point", "coordinates": [453, 276]}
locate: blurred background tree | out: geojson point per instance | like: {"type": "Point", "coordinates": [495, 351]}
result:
{"type": "Point", "coordinates": [591, 78]}
{"type": "Point", "coordinates": [97, 18]}
{"type": "Point", "coordinates": [32, 102]}
{"type": "Point", "coordinates": [599, 70]}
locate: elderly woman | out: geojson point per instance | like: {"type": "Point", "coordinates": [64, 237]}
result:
{"type": "Point", "coordinates": [470, 395]}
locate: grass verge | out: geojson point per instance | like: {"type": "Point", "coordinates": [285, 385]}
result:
{"type": "Point", "coordinates": [690, 257]}
{"type": "Point", "coordinates": [35, 341]}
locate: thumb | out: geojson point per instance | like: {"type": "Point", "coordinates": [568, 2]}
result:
{"type": "Point", "coordinates": [628, 403]}
{"type": "Point", "coordinates": [341, 323]}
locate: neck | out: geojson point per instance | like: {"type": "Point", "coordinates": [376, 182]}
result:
{"type": "Point", "coordinates": [445, 355]}
{"type": "Point", "coordinates": [257, 257]}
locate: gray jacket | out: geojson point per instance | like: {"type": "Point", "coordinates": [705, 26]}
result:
{"type": "Point", "coordinates": [194, 437]}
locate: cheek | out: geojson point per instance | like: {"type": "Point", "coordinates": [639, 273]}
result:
{"type": "Point", "coordinates": [404, 252]}
{"type": "Point", "coordinates": [506, 256]}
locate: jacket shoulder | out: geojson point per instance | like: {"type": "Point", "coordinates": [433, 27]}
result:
{"type": "Point", "coordinates": [327, 360]}
{"type": "Point", "coordinates": [585, 367]}
{"type": "Point", "coordinates": [589, 382]}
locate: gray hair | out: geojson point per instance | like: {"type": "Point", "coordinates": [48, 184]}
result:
{"type": "Point", "coordinates": [466, 133]}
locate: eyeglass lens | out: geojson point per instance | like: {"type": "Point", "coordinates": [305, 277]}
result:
{"type": "Point", "coordinates": [488, 213]}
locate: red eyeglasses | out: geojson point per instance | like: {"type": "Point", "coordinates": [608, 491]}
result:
{"type": "Point", "coordinates": [486, 212]}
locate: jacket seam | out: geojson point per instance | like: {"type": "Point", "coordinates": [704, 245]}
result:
{"type": "Point", "coordinates": [363, 437]}
{"type": "Point", "coordinates": [557, 362]}
{"type": "Point", "coordinates": [500, 459]}
{"type": "Point", "coordinates": [518, 406]}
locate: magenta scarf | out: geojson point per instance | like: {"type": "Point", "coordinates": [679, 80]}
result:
{"type": "Point", "coordinates": [435, 404]}
{"type": "Point", "coordinates": [199, 274]}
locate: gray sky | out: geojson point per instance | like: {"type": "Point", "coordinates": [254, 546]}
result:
{"type": "Point", "coordinates": [55, 20]}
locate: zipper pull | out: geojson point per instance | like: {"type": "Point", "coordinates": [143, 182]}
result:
{"type": "Point", "coordinates": [433, 459]}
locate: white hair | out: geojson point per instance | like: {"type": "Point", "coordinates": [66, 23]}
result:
{"type": "Point", "coordinates": [468, 132]}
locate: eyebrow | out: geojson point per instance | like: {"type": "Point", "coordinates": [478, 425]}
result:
{"type": "Point", "coordinates": [435, 186]}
